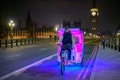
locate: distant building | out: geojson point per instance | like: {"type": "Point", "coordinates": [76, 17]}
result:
{"type": "Point", "coordinates": [118, 38]}
{"type": "Point", "coordinates": [118, 33]}
{"type": "Point", "coordinates": [29, 31]}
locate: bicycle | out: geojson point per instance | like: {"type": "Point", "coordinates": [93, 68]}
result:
{"type": "Point", "coordinates": [63, 59]}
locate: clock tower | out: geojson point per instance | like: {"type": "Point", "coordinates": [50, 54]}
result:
{"type": "Point", "coordinates": [94, 13]}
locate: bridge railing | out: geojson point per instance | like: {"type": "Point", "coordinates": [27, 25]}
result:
{"type": "Point", "coordinates": [6, 43]}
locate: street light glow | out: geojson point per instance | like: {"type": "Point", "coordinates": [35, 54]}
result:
{"type": "Point", "coordinates": [56, 27]}
{"type": "Point", "coordinates": [11, 24]}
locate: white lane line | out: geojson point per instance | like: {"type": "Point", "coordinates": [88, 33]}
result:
{"type": "Point", "coordinates": [89, 65]}
{"type": "Point", "coordinates": [43, 49]}
{"type": "Point", "coordinates": [22, 47]}
{"type": "Point", "coordinates": [26, 67]}
{"type": "Point", "coordinates": [81, 72]}
{"type": "Point", "coordinates": [21, 54]}
{"type": "Point", "coordinates": [14, 55]}
{"type": "Point", "coordinates": [47, 44]}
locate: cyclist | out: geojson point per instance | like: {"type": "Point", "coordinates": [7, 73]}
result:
{"type": "Point", "coordinates": [68, 41]}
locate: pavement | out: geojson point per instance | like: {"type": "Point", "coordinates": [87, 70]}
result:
{"type": "Point", "coordinates": [107, 65]}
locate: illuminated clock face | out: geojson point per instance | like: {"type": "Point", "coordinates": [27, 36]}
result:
{"type": "Point", "coordinates": [93, 13]}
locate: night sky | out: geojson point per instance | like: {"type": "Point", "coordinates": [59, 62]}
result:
{"type": "Point", "coordinates": [53, 12]}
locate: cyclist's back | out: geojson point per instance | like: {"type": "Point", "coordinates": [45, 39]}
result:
{"type": "Point", "coordinates": [67, 42]}
{"type": "Point", "coordinates": [67, 38]}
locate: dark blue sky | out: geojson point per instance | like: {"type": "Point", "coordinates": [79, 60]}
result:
{"type": "Point", "coordinates": [52, 12]}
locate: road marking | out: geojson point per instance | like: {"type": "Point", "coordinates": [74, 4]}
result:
{"type": "Point", "coordinates": [21, 54]}
{"type": "Point", "coordinates": [81, 72]}
{"type": "Point", "coordinates": [14, 55]}
{"type": "Point", "coordinates": [89, 65]}
{"type": "Point", "coordinates": [26, 67]}
{"type": "Point", "coordinates": [47, 44]}
{"type": "Point", "coordinates": [20, 72]}
{"type": "Point", "coordinates": [26, 46]}
{"type": "Point", "coordinates": [43, 49]}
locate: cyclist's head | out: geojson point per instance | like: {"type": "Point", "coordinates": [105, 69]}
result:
{"type": "Point", "coordinates": [67, 30]}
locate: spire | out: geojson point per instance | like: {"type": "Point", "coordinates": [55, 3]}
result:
{"type": "Point", "coordinates": [20, 24]}
{"type": "Point", "coordinates": [0, 17]}
{"type": "Point", "coordinates": [94, 4]}
{"type": "Point", "coordinates": [29, 21]}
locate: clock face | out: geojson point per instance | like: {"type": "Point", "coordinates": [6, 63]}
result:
{"type": "Point", "coordinates": [93, 13]}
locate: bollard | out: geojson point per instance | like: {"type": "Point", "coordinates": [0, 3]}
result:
{"type": "Point", "coordinates": [25, 41]}
{"type": "Point", "coordinates": [41, 40]}
{"type": "Point", "coordinates": [111, 46]}
{"type": "Point", "coordinates": [38, 40]}
{"type": "Point", "coordinates": [28, 41]}
{"type": "Point", "coordinates": [106, 44]}
{"type": "Point", "coordinates": [103, 46]}
{"type": "Point", "coordinates": [21, 42]}
{"type": "Point", "coordinates": [0, 43]}
{"type": "Point", "coordinates": [6, 43]}
{"type": "Point", "coordinates": [35, 40]}
{"type": "Point", "coordinates": [11, 43]}
{"type": "Point", "coordinates": [32, 40]}
{"type": "Point", "coordinates": [115, 47]}
{"type": "Point", "coordinates": [119, 48]}
{"type": "Point", "coordinates": [16, 42]}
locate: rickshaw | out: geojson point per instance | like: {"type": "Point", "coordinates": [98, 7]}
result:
{"type": "Point", "coordinates": [77, 51]}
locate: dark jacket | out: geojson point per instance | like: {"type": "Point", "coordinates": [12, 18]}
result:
{"type": "Point", "coordinates": [67, 38]}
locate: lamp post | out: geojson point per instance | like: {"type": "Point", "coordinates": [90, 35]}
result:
{"type": "Point", "coordinates": [56, 29]}
{"type": "Point", "coordinates": [11, 25]}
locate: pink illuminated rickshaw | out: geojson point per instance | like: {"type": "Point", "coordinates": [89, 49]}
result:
{"type": "Point", "coordinates": [77, 51]}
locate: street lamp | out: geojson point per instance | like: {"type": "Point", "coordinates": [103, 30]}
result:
{"type": "Point", "coordinates": [11, 25]}
{"type": "Point", "coordinates": [56, 27]}
{"type": "Point", "coordinates": [84, 32]}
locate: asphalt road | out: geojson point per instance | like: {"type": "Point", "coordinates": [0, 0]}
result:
{"type": "Point", "coordinates": [12, 60]}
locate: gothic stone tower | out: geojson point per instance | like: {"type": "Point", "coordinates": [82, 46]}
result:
{"type": "Point", "coordinates": [94, 13]}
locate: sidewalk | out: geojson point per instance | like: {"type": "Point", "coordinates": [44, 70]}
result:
{"type": "Point", "coordinates": [107, 65]}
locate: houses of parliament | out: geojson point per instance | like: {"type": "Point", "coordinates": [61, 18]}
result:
{"type": "Point", "coordinates": [29, 31]}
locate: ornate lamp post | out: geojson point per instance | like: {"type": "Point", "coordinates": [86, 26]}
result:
{"type": "Point", "coordinates": [11, 25]}
{"type": "Point", "coordinates": [56, 29]}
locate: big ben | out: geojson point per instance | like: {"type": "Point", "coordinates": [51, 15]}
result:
{"type": "Point", "coordinates": [94, 14]}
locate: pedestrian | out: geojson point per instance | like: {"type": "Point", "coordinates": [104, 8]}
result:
{"type": "Point", "coordinates": [103, 42]}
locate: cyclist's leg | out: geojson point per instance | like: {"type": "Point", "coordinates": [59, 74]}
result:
{"type": "Point", "coordinates": [61, 52]}
{"type": "Point", "coordinates": [69, 55]}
